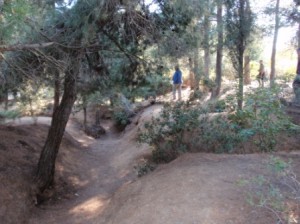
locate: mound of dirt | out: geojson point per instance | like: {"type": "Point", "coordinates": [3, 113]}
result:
{"type": "Point", "coordinates": [19, 153]}
{"type": "Point", "coordinates": [196, 188]}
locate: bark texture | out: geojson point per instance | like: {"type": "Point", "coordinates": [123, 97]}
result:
{"type": "Point", "coordinates": [247, 79]}
{"type": "Point", "coordinates": [273, 57]}
{"type": "Point", "coordinates": [46, 164]}
{"type": "Point", "coordinates": [219, 58]}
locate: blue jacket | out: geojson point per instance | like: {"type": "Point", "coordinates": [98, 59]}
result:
{"type": "Point", "coordinates": [177, 77]}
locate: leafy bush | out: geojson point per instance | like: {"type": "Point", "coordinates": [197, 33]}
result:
{"type": "Point", "coordinates": [182, 128]}
{"type": "Point", "coordinates": [288, 75]}
{"type": "Point", "coordinates": [242, 118]}
{"type": "Point", "coordinates": [165, 134]}
{"type": "Point", "coordinates": [10, 114]}
{"type": "Point", "coordinates": [208, 84]}
{"type": "Point", "coordinates": [267, 116]}
{"type": "Point", "coordinates": [195, 95]}
{"type": "Point", "coordinates": [153, 85]}
{"type": "Point", "coordinates": [144, 167]}
{"type": "Point", "coordinates": [33, 99]}
{"type": "Point", "coordinates": [262, 119]}
{"type": "Point", "coordinates": [264, 115]}
{"type": "Point", "coordinates": [231, 102]}
{"type": "Point", "coordinates": [217, 106]}
{"type": "Point", "coordinates": [159, 84]}
{"type": "Point", "coordinates": [121, 118]}
{"type": "Point", "coordinates": [221, 136]}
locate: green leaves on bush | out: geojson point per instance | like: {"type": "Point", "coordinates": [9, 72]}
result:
{"type": "Point", "coordinates": [182, 127]}
{"type": "Point", "coordinates": [144, 167]}
{"type": "Point", "coordinates": [217, 106]}
{"type": "Point", "coordinates": [219, 135]}
{"type": "Point", "coordinates": [166, 134]}
{"type": "Point", "coordinates": [10, 114]}
{"type": "Point", "coordinates": [266, 116]}
{"type": "Point", "coordinates": [121, 118]}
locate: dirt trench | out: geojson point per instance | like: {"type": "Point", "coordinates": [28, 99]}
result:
{"type": "Point", "coordinates": [97, 171]}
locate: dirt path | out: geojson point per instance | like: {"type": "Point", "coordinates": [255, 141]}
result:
{"type": "Point", "coordinates": [100, 168]}
{"type": "Point", "coordinates": [196, 188]}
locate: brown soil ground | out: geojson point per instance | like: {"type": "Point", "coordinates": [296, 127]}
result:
{"type": "Point", "coordinates": [96, 182]}
{"type": "Point", "coordinates": [196, 188]}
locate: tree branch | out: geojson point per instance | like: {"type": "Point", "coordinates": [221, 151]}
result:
{"type": "Point", "coordinates": [16, 47]}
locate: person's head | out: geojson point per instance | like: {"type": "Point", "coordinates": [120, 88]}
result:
{"type": "Point", "coordinates": [176, 67]}
{"type": "Point", "coordinates": [261, 61]}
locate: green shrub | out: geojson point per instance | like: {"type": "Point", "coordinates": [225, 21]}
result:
{"type": "Point", "coordinates": [217, 106]}
{"type": "Point", "coordinates": [264, 116]}
{"type": "Point", "coordinates": [288, 75]}
{"type": "Point", "coordinates": [166, 133]}
{"type": "Point", "coordinates": [182, 127]}
{"type": "Point", "coordinates": [219, 135]}
{"type": "Point", "coordinates": [262, 119]}
{"type": "Point", "coordinates": [121, 118]}
{"type": "Point", "coordinates": [267, 117]}
{"type": "Point", "coordinates": [143, 167]}
{"type": "Point", "coordinates": [208, 83]}
{"type": "Point", "coordinates": [242, 118]}
{"type": "Point", "coordinates": [231, 102]}
{"type": "Point", "coordinates": [10, 114]}
{"type": "Point", "coordinates": [195, 95]}
{"type": "Point", "coordinates": [33, 99]}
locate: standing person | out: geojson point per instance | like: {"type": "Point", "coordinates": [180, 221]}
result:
{"type": "Point", "coordinates": [261, 73]}
{"type": "Point", "coordinates": [177, 81]}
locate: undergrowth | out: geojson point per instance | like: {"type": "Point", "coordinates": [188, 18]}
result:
{"type": "Point", "coordinates": [277, 192]}
{"type": "Point", "coordinates": [184, 127]}
{"type": "Point", "coordinates": [165, 134]}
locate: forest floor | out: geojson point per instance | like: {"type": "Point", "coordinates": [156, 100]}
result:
{"type": "Point", "coordinates": [96, 181]}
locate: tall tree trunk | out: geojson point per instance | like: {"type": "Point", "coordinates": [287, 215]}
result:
{"type": "Point", "coordinates": [247, 79]}
{"type": "Point", "coordinates": [6, 98]}
{"type": "Point", "coordinates": [218, 81]}
{"type": "Point", "coordinates": [196, 69]}
{"type": "Point", "coordinates": [298, 34]}
{"type": "Point", "coordinates": [241, 50]}
{"type": "Point", "coordinates": [240, 95]}
{"type": "Point", "coordinates": [97, 118]}
{"type": "Point", "coordinates": [85, 118]}
{"type": "Point", "coordinates": [191, 74]}
{"type": "Point", "coordinates": [84, 102]}
{"type": "Point", "coordinates": [46, 164]}
{"type": "Point", "coordinates": [206, 45]}
{"type": "Point", "coordinates": [273, 57]}
{"type": "Point", "coordinates": [56, 90]}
